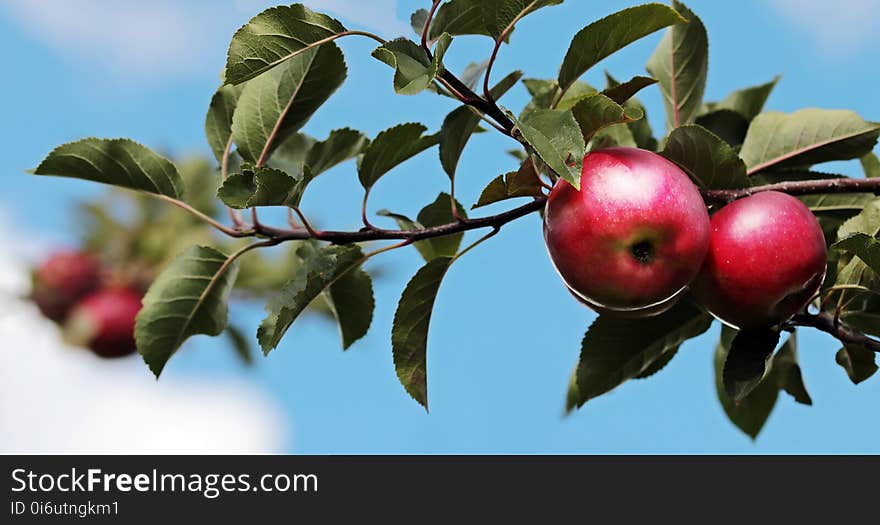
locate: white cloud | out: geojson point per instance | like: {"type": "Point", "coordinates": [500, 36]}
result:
{"type": "Point", "coordinates": [839, 28]}
{"type": "Point", "coordinates": [59, 399]}
{"type": "Point", "coordinates": [150, 40]}
{"type": "Point", "coordinates": [128, 38]}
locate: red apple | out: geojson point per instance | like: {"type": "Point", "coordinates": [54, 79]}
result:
{"type": "Point", "coordinates": [635, 234]}
{"type": "Point", "coordinates": [104, 322]}
{"type": "Point", "coordinates": [62, 280]}
{"type": "Point", "coordinates": [766, 259]}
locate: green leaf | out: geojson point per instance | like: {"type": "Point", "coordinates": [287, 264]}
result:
{"type": "Point", "coordinates": [837, 202]}
{"type": "Point", "coordinates": [461, 123]}
{"type": "Point", "coordinates": [616, 135]}
{"type": "Point", "coordinates": [864, 246]}
{"type": "Point", "coordinates": [218, 122]}
{"type": "Point", "coordinates": [658, 364]}
{"type": "Point", "coordinates": [290, 155]}
{"type": "Point", "coordinates": [474, 71]}
{"type": "Point", "coordinates": [806, 137]}
{"type": "Point", "coordinates": [261, 187]}
{"type": "Point", "coordinates": [274, 36]}
{"type": "Point", "coordinates": [596, 112]}
{"type": "Point", "coordinates": [642, 134]}
{"type": "Point", "coordinates": [546, 92]}
{"type": "Point", "coordinates": [521, 183]}
{"type": "Point", "coordinates": [391, 148]}
{"type": "Point", "coordinates": [500, 15]}
{"type": "Point", "coordinates": [858, 362]}
{"type": "Point", "coordinates": [240, 343]}
{"type": "Point", "coordinates": [750, 414]}
{"type": "Point", "coordinates": [340, 146]}
{"type": "Point", "coordinates": [871, 165]}
{"type": "Point", "coordinates": [118, 162]}
{"type": "Point", "coordinates": [349, 298]}
{"type": "Point", "coordinates": [188, 298]}
{"type": "Point", "coordinates": [680, 64]}
{"type": "Point", "coordinates": [622, 93]}
{"type": "Point", "coordinates": [278, 104]}
{"type": "Point", "coordinates": [409, 335]}
{"type": "Point", "coordinates": [747, 361]}
{"type": "Point", "coordinates": [708, 160]}
{"type": "Point", "coordinates": [610, 34]}
{"type": "Point", "coordinates": [729, 125]}
{"type": "Point", "coordinates": [615, 350]}
{"type": "Point", "coordinates": [437, 213]}
{"type": "Point", "coordinates": [320, 269]}
{"type": "Point", "coordinates": [456, 17]}
{"type": "Point", "coordinates": [748, 102]}
{"type": "Point", "coordinates": [414, 72]}
{"type": "Point", "coordinates": [788, 373]}
{"type": "Point", "coordinates": [556, 137]}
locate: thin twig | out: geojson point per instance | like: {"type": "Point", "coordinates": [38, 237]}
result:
{"type": "Point", "coordinates": [801, 187]}
{"type": "Point", "coordinates": [825, 322]}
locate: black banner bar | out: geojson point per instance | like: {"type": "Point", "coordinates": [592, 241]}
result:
{"type": "Point", "coordinates": [413, 489]}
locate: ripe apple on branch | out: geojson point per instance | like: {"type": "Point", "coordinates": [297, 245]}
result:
{"type": "Point", "coordinates": [722, 216]}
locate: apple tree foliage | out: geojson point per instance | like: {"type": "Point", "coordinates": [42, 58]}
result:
{"type": "Point", "coordinates": [285, 63]}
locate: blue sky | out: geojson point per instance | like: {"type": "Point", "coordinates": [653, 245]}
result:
{"type": "Point", "coordinates": [505, 334]}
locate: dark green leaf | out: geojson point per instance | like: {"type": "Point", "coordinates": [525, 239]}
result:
{"type": "Point", "coordinates": [340, 146]}
{"type": "Point", "coordinates": [274, 36]}
{"type": "Point", "coordinates": [218, 122]}
{"type": "Point", "coordinates": [409, 335]}
{"type": "Point", "coordinates": [188, 298]}
{"type": "Point", "coordinates": [461, 123]}
{"type": "Point", "coordinates": [437, 213]}
{"type": "Point", "coordinates": [750, 414]}
{"type": "Point", "coordinates": [556, 137]}
{"type": "Point", "coordinates": [658, 364]}
{"type": "Point", "coordinates": [746, 364]}
{"type": "Point", "coordinates": [413, 71]}
{"type": "Point", "coordinates": [119, 162]}
{"type": "Point", "coordinates": [521, 183]}
{"type": "Point", "coordinates": [621, 93]}
{"type": "Point", "coordinates": [240, 343]}
{"type": "Point", "coordinates": [278, 104]}
{"type": "Point", "coordinates": [456, 17]}
{"type": "Point", "coordinates": [864, 246]}
{"type": "Point", "coordinates": [610, 34]}
{"type": "Point", "coordinates": [391, 148]}
{"type": "Point", "coordinates": [748, 102]}
{"type": "Point", "coordinates": [680, 64]}
{"type": "Point", "coordinates": [859, 362]}
{"type": "Point", "coordinates": [729, 125]}
{"type": "Point", "coordinates": [708, 160]}
{"type": "Point", "coordinates": [837, 202]}
{"type": "Point", "coordinates": [352, 303]}
{"type": "Point", "coordinates": [320, 269]}
{"type": "Point", "coordinates": [641, 131]}
{"type": "Point", "coordinates": [261, 187]}
{"type": "Point", "coordinates": [788, 372]}
{"type": "Point", "coordinates": [806, 137]}
{"type": "Point", "coordinates": [500, 15]}
{"type": "Point", "coordinates": [596, 112]}
{"type": "Point", "coordinates": [615, 350]}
